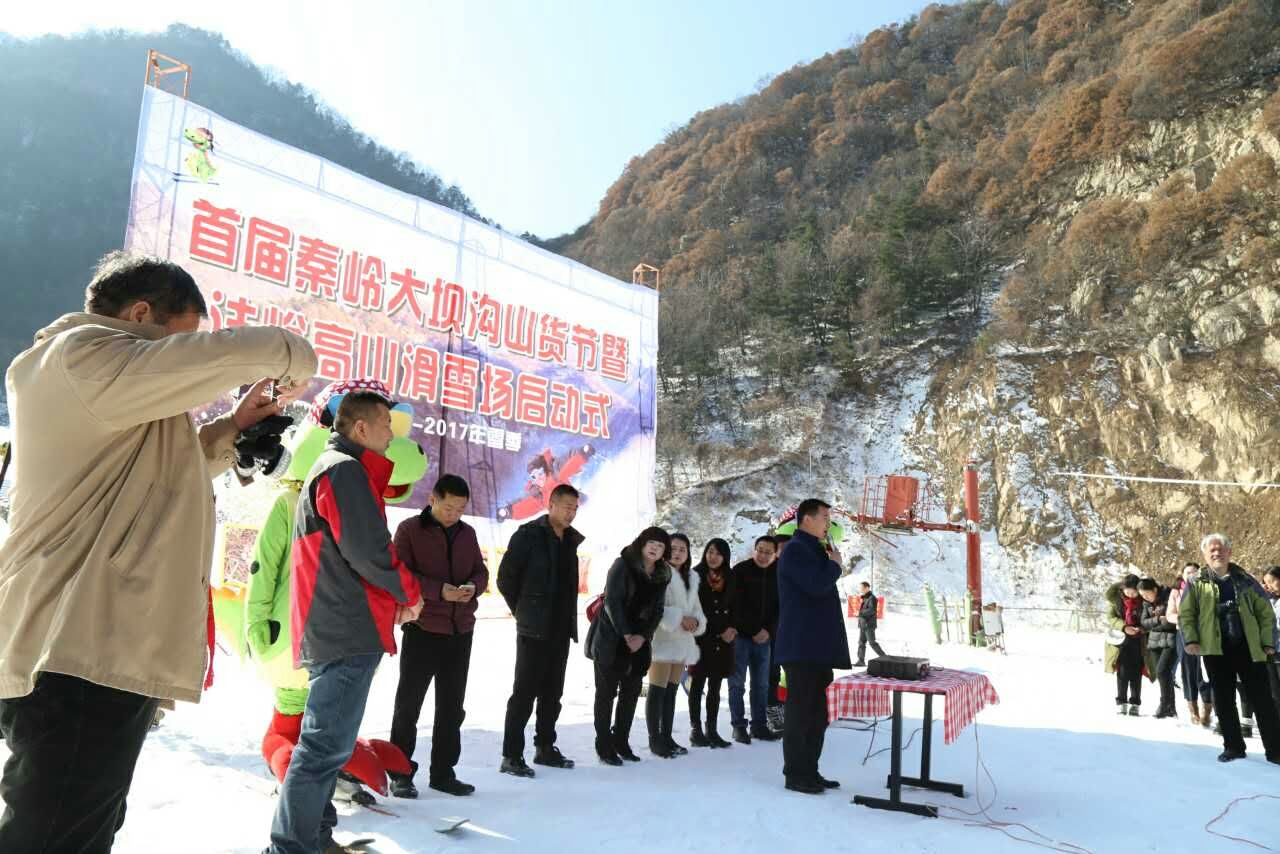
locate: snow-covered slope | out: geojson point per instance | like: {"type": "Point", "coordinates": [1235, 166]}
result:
{"type": "Point", "coordinates": [1060, 761]}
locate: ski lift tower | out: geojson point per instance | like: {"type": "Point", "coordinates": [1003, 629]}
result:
{"type": "Point", "coordinates": [902, 504]}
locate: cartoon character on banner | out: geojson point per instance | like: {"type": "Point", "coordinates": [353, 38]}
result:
{"type": "Point", "coordinates": [260, 629]}
{"type": "Point", "coordinates": [198, 163]}
{"type": "Point", "coordinates": [545, 474]}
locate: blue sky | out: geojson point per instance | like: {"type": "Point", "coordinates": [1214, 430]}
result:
{"type": "Point", "coordinates": [532, 108]}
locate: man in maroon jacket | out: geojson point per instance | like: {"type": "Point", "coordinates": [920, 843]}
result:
{"type": "Point", "coordinates": [349, 591]}
{"type": "Point", "coordinates": [442, 551]}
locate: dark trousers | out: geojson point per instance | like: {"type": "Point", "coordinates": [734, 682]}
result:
{"type": "Point", "coordinates": [1165, 665]}
{"type": "Point", "coordinates": [1194, 682]}
{"type": "Point", "coordinates": [540, 666]}
{"type": "Point", "coordinates": [74, 746]}
{"type": "Point", "coordinates": [712, 685]}
{"type": "Point", "coordinates": [1224, 670]}
{"type": "Point", "coordinates": [305, 817]}
{"type": "Point", "coordinates": [425, 656]}
{"type": "Point", "coordinates": [866, 636]}
{"type": "Point", "coordinates": [1273, 670]}
{"type": "Point", "coordinates": [805, 727]}
{"type": "Point", "coordinates": [749, 657]}
{"type": "Point", "coordinates": [1129, 673]}
{"type": "Point", "coordinates": [619, 681]}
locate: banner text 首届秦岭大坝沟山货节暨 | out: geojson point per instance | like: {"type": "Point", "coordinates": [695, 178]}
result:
{"type": "Point", "coordinates": [523, 369]}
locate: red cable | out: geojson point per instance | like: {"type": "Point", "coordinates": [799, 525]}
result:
{"type": "Point", "coordinates": [980, 767]}
{"type": "Point", "coordinates": [1223, 814]}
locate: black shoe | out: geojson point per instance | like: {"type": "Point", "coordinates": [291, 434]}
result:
{"type": "Point", "coordinates": [1230, 755]}
{"type": "Point", "coordinates": [516, 767]}
{"type": "Point", "coordinates": [716, 742]}
{"type": "Point", "coordinates": [402, 786]}
{"type": "Point", "coordinates": [741, 735]}
{"type": "Point", "coordinates": [806, 787]}
{"type": "Point", "coordinates": [762, 733]}
{"type": "Point", "coordinates": [1273, 758]}
{"type": "Point", "coordinates": [859, 663]}
{"type": "Point", "coordinates": [624, 750]}
{"type": "Point", "coordinates": [1162, 712]}
{"type": "Point", "coordinates": [608, 756]}
{"type": "Point", "coordinates": [697, 738]}
{"type": "Point", "coordinates": [551, 757]}
{"type": "Point", "coordinates": [669, 698]}
{"type": "Point", "coordinates": [658, 747]}
{"type": "Point", "coordinates": [1133, 710]}
{"type": "Point", "coordinates": [453, 787]}
{"type": "Point", "coordinates": [828, 784]}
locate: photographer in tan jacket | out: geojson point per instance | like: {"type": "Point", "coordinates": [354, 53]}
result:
{"type": "Point", "coordinates": [104, 577]}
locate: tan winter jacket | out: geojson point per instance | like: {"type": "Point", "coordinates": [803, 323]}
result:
{"type": "Point", "coordinates": [105, 572]}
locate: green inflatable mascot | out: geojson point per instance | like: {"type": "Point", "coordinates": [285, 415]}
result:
{"type": "Point", "coordinates": [266, 636]}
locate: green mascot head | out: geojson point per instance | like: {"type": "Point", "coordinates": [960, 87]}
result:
{"type": "Point", "coordinates": [310, 437]}
{"type": "Point", "coordinates": [787, 527]}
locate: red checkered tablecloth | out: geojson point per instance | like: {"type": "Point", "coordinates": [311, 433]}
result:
{"type": "Point", "coordinates": [861, 696]}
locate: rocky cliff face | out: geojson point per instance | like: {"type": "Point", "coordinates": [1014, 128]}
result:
{"type": "Point", "coordinates": [1180, 381]}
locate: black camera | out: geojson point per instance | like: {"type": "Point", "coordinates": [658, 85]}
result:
{"type": "Point", "coordinates": [1229, 613]}
{"type": "Point", "coordinates": [259, 448]}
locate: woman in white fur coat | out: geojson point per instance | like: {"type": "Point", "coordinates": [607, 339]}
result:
{"type": "Point", "coordinates": [674, 647]}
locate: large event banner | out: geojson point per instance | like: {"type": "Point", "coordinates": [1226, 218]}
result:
{"type": "Point", "coordinates": [523, 369]}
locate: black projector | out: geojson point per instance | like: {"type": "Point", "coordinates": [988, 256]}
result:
{"type": "Point", "coordinates": [898, 667]}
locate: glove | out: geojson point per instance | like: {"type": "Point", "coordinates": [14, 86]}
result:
{"type": "Point", "coordinates": [259, 636]}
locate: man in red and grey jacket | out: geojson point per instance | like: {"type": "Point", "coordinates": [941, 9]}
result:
{"type": "Point", "coordinates": [443, 552]}
{"type": "Point", "coordinates": [348, 593]}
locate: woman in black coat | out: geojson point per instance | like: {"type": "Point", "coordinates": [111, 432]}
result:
{"type": "Point", "coordinates": [715, 645]}
{"type": "Point", "coordinates": [618, 640]}
{"type": "Point", "coordinates": [1161, 640]}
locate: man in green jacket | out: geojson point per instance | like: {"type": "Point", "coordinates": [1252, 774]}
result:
{"type": "Point", "coordinates": [1225, 618]}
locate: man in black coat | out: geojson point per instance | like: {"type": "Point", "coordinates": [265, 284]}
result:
{"type": "Point", "coordinates": [538, 578]}
{"type": "Point", "coordinates": [755, 616]}
{"type": "Point", "coordinates": [866, 625]}
{"type": "Point", "coordinates": [811, 643]}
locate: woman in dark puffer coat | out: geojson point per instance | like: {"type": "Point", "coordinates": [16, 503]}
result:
{"type": "Point", "coordinates": [716, 644]}
{"type": "Point", "coordinates": [1162, 641]}
{"type": "Point", "coordinates": [620, 637]}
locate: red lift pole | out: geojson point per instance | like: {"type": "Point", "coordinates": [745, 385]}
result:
{"type": "Point", "coordinates": [974, 548]}
{"type": "Point", "coordinates": [898, 503]}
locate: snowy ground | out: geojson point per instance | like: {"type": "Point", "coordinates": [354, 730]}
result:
{"type": "Point", "coordinates": [1062, 763]}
